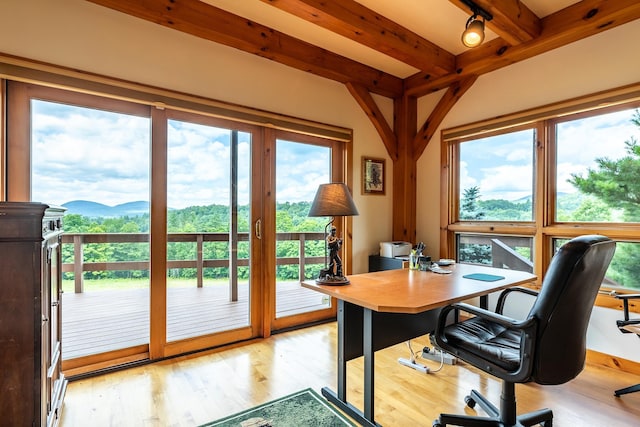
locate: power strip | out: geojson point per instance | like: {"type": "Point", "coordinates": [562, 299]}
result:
{"type": "Point", "coordinates": [437, 355]}
{"type": "Point", "coordinates": [413, 365]}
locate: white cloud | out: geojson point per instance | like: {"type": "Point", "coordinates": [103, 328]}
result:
{"type": "Point", "coordinates": [506, 182]}
{"type": "Point", "coordinates": [501, 166]}
{"type": "Point", "coordinates": [101, 158]}
{"type": "Point", "coordinates": [86, 154]}
{"type": "Point", "coordinates": [466, 180]}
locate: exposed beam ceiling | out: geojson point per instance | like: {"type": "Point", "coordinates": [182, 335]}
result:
{"type": "Point", "coordinates": [356, 22]}
{"type": "Point", "coordinates": [581, 20]}
{"type": "Point", "coordinates": [521, 35]}
{"type": "Point", "coordinates": [208, 22]}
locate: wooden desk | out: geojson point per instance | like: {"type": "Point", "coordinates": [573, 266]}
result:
{"type": "Point", "coordinates": [385, 308]}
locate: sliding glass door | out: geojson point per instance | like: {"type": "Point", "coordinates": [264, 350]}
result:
{"type": "Point", "coordinates": [302, 163]}
{"type": "Point", "coordinates": [209, 219]}
{"type": "Point", "coordinates": [183, 231]}
{"type": "Point", "coordinates": [93, 159]}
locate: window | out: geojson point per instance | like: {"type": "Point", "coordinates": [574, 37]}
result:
{"type": "Point", "coordinates": [596, 167]}
{"type": "Point", "coordinates": [522, 186]}
{"type": "Point", "coordinates": [501, 251]}
{"type": "Point", "coordinates": [496, 177]}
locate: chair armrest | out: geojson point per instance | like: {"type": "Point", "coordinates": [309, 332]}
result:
{"type": "Point", "coordinates": [527, 328]}
{"type": "Point", "coordinates": [504, 294]}
{"type": "Point", "coordinates": [629, 326]}
{"type": "Point", "coordinates": [522, 325]}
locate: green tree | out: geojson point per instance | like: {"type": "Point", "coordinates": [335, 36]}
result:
{"type": "Point", "coordinates": [470, 210]}
{"type": "Point", "coordinates": [208, 219]}
{"type": "Point", "coordinates": [616, 183]}
{"type": "Point", "coordinates": [469, 207]}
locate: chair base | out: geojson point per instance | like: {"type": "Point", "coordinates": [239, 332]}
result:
{"type": "Point", "coordinates": [627, 390]}
{"type": "Point", "coordinates": [496, 418]}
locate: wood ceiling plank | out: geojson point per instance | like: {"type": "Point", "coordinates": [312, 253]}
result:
{"type": "Point", "coordinates": [356, 22]}
{"type": "Point", "coordinates": [203, 20]}
{"type": "Point", "coordinates": [576, 22]}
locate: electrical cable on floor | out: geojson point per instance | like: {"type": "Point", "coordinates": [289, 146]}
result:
{"type": "Point", "coordinates": [411, 362]}
{"type": "Point", "coordinates": [441, 362]}
{"type": "Point", "coordinates": [412, 354]}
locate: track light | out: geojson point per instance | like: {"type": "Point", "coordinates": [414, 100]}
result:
{"type": "Point", "coordinates": [473, 34]}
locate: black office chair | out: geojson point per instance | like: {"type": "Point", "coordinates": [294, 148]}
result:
{"type": "Point", "coordinates": [547, 347]}
{"type": "Point", "coordinates": [628, 326]}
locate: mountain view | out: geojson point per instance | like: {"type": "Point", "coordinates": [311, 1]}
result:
{"type": "Point", "coordinates": [98, 210]}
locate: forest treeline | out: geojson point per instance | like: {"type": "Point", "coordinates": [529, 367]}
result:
{"type": "Point", "coordinates": [193, 219]}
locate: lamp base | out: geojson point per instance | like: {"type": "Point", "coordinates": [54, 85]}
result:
{"type": "Point", "coordinates": [332, 280]}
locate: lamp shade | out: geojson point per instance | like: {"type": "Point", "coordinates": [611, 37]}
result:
{"type": "Point", "coordinates": [333, 200]}
{"type": "Point", "coordinates": [473, 34]}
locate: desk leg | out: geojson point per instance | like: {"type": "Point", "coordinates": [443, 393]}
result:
{"type": "Point", "coordinates": [484, 301]}
{"type": "Point", "coordinates": [340, 398]}
{"type": "Point", "coordinates": [342, 360]}
{"type": "Point", "coordinates": [369, 365]}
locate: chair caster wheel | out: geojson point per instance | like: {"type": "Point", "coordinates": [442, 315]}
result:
{"type": "Point", "coordinates": [470, 402]}
{"type": "Point", "coordinates": [436, 423]}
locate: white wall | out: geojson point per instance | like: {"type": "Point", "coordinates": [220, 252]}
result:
{"type": "Point", "coordinates": [601, 62]}
{"type": "Point", "coordinates": [81, 35]}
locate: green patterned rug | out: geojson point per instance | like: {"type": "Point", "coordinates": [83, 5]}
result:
{"type": "Point", "coordinates": [301, 409]}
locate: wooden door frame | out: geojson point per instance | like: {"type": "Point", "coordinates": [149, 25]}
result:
{"type": "Point", "coordinates": [341, 159]}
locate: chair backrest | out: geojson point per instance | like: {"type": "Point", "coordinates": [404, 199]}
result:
{"type": "Point", "coordinates": [564, 306]}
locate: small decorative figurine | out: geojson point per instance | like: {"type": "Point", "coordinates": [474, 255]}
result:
{"type": "Point", "coordinates": [333, 273]}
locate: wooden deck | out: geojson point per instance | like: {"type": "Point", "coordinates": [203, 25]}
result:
{"type": "Point", "coordinates": [101, 321]}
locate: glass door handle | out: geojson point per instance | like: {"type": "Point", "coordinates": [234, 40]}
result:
{"type": "Point", "coordinates": [258, 229]}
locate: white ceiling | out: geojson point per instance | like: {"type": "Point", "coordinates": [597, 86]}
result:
{"type": "Point", "coordinates": [438, 21]}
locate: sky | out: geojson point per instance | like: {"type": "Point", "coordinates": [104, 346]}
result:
{"type": "Point", "coordinates": [502, 166]}
{"type": "Point", "coordinates": [86, 154]}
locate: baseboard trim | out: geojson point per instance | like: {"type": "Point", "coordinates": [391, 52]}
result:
{"type": "Point", "coordinates": [603, 359]}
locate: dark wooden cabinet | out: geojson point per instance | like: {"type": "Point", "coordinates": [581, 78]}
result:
{"type": "Point", "coordinates": [32, 385]}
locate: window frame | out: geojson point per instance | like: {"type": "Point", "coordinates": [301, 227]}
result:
{"type": "Point", "coordinates": [544, 228]}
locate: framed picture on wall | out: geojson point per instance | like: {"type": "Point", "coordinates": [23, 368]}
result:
{"type": "Point", "coordinates": [373, 178]}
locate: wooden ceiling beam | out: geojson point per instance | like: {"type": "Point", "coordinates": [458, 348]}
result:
{"type": "Point", "coordinates": [446, 103]}
{"type": "Point", "coordinates": [356, 22]}
{"type": "Point", "coordinates": [575, 22]}
{"type": "Point", "coordinates": [512, 20]}
{"type": "Point", "coordinates": [208, 22]}
{"type": "Point", "coordinates": [371, 109]}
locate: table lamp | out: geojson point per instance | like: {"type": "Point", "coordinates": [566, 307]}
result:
{"type": "Point", "coordinates": [332, 200]}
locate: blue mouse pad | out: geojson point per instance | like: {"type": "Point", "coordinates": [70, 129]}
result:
{"type": "Point", "coordinates": [484, 277]}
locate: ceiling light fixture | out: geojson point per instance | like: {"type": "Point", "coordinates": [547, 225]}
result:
{"type": "Point", "coordinates": [473, 33]}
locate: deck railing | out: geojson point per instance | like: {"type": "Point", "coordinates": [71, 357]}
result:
{"type": "Point", "coordinates": [79, 265]}
{"type": "Point", "coordinates": [502, 253]}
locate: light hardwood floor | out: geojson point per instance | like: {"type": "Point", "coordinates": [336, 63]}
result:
{"type": "Point", "coordinates": [189, 391]}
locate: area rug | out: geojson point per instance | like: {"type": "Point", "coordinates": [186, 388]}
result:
{"type": "Point", "coordinates": [301, 409]}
